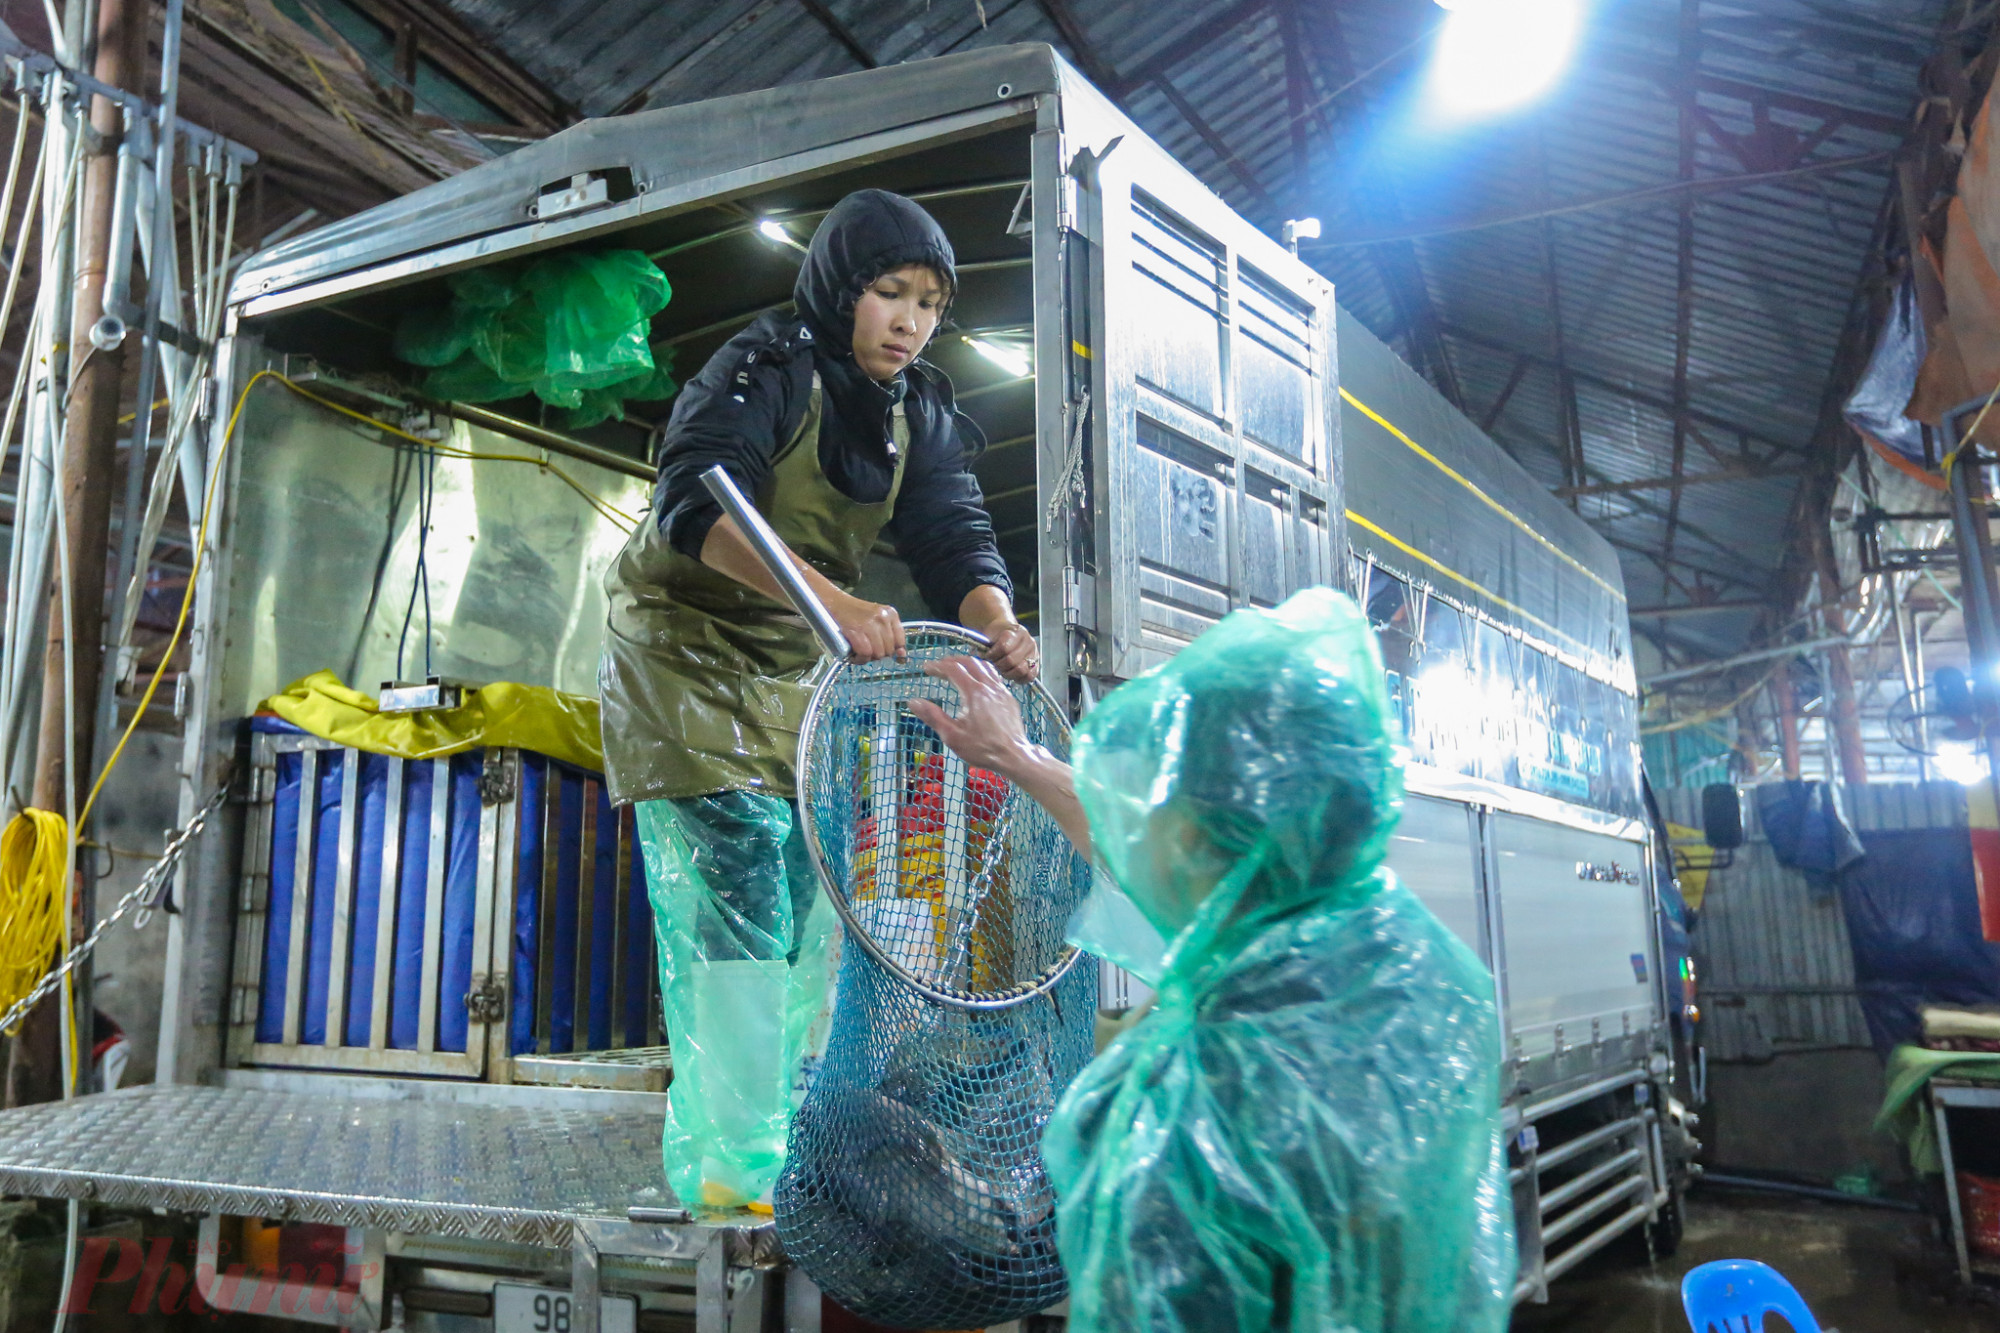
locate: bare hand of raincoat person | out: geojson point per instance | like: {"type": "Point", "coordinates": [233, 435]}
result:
{"type": "Point", "coordinates": [987, 733]}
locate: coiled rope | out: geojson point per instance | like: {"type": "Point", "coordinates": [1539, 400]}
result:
{"type": "Point", "coordinates": [32, 862]}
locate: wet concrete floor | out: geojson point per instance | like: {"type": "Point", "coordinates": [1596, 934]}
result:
{"type": "Point", "coordinates": [1861, 1270]}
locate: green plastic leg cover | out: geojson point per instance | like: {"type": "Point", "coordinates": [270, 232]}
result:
{"type": "Point", "coordinates": [743, 935]}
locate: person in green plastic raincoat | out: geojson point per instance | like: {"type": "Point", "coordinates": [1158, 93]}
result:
{"type": "Point", "coordinates": [827, 417]}
{"type": "Point", "coordinates": [1304, 1133]}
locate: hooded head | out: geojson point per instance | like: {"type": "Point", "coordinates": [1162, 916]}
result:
{"type": "Point", "coordinates": [866, 235]}
{"type": "Point", "coordinates": [1268, 738]}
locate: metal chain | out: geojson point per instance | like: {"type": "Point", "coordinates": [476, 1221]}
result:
{"type": "Point", "coordinates": [147, 894]}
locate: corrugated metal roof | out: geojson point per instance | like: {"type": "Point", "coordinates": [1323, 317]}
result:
{"type": "Point", "coordinates": [1774, 266]}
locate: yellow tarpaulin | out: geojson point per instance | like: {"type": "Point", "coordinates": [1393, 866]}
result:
{"type": "Point", "coordinates": [530, 717]}
{"type": "Point", "coordinates": [1694, 879]}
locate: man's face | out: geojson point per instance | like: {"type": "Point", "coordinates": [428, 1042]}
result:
{"type": "Point", "coordinates": [895, 318]}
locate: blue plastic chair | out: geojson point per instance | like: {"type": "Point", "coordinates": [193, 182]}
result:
{"type": "Point", "coordinates": [1734, 1295]}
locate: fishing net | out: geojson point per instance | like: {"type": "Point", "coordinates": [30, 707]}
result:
{"type": "Point", "coordinates": [914, 1192]}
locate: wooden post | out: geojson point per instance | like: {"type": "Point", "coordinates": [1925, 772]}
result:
{"type": "Point", "coordinates": [1788, 721]}
{"type": "Point", "coordinates": [90, 459]}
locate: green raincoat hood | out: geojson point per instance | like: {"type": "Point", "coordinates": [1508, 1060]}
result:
{"type": "Point", "coordinates": [1261, 760]}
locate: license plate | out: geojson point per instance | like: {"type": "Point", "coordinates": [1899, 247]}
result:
{"type": "Point", "coordinates": [523, 1309]}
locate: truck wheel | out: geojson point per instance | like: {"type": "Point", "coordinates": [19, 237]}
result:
{"type": "Point", "coordinates": [1663, 1234]}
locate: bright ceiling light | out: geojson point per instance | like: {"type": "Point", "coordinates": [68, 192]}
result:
{"type": "Point", "coordinates": [1013, 360]}
{"type": "Point", "coordinates": [1959, 763]}
{"type": "Point", "coordinates": [773, 230]}
{"type": "Point", "coordinates": [1494, 54]}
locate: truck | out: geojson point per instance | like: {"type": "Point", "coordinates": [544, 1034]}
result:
{"type": "Point", "coordinates": [411, 1006]}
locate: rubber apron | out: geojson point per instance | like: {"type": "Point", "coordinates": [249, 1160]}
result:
{"type": "Point", "coordinates": [705, 681]}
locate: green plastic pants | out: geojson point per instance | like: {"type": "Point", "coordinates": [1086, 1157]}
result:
{"type": "Point", "coordinates": [743, 933]}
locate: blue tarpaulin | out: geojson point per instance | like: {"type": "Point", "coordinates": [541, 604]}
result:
{"type": "Point", "coordinates": [1809, 831]}
{"type": "Point", "coordinates": [460, 882]}
{"type": "Point", "coordinates": [541, 778]}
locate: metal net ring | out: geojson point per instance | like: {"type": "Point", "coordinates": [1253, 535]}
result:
{"type": "Point", "coordinates": [868, 789]}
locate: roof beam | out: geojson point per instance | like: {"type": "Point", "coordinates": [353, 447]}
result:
{"type": "Point", "coordinates": [1690, 64]}
{"type": "Point", "coordinates": [1694, 609]}
{"type": "Point", "coordinates": [1679, 562]}
{"type": "Point", "coordinates": [1676, 482]}
{"type": "Point", "coordinates": [839, 31]}
{"type": "Point", "coordinates": [1777, 99]}
{"type": "Point", "coordinates": [1400, 267]}
{"type": "Point", "coordinates": [1185, 46]}
{"type": "Point", "coordinates": [1395, 230]}
{"type": "Point", "coordinates": [1571, 422]}
{"type": "Point", "coordinates": [470, 57]}
{"type": "Point", "coordinates": [1604, 384]}
{"type": "Point", "coordinates": [1514, 378]}
{"type": "Point", "coordinates": [1295, 97]}
{"type": "Point", "coordinates": [1215, 142]}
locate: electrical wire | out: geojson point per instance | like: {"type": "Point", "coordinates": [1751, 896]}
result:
{"type": "Point", "coordinates": [617, 517]}
{"type": "Point", "coordinates": [421, 581]}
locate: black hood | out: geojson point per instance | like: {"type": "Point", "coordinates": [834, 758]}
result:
{"type": "Point", "coordinates": [867, 234]}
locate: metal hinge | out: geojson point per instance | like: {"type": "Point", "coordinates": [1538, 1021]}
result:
{"type": "Point", "coordinates": [486, 1002]}
{"type": "Point", "coordinates": [1068, 206]}
{"type": "Point", "coordinates": [1072, 595]}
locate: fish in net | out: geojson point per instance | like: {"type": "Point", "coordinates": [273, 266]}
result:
{"type": "Point", "coordinates": [914, 1192]}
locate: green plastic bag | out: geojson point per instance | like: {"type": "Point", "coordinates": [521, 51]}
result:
{"type": "Point", "coordinates": [743, 935]}
{"type": "Point", "coordinates": [1305, 1132]}
{"type": "Point", "coordinates": [646, 386]}
{"type": "Point", "coordinates": [571, 328]}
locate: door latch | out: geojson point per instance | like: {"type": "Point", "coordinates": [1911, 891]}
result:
{"type": "Point", "coordinates": [486, 1002]}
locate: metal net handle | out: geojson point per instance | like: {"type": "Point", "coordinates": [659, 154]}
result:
{"type": "Point", "coordinates": [815, 710]}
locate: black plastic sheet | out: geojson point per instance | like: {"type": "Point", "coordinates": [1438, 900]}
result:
{"type": "Point", "coordinates": [1913, 920]}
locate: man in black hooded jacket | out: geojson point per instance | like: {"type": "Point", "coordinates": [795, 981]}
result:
{"type": "Point", "coordinates": [829, 420]}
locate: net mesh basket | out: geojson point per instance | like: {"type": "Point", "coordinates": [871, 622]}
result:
{"type": "Point", "coordinates": [914, 1192]}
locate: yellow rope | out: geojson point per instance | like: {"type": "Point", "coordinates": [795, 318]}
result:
{"type": "Point", "coordinates": [1715, 714]}
{"type": "Point", "coordinates": [31, 903]}
{"type": "Point", "coordinates": [34, 850]}
{"type": "Point", "coordinates": [1945, 463]}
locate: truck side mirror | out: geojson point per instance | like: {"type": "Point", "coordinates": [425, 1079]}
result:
{"type": "Point", "coordinates": [1722, 816]}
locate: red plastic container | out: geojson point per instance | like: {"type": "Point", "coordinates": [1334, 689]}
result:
{"type": "Point", "coordinates": [1979, 1198]}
